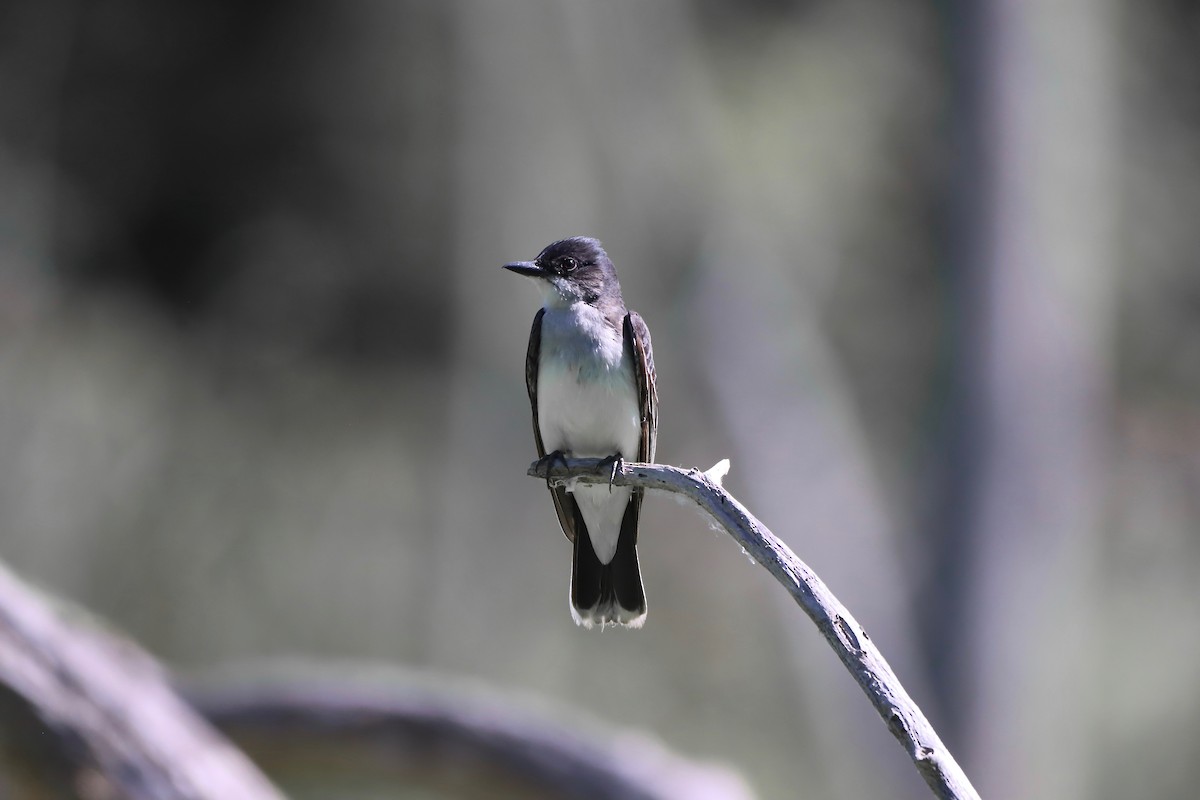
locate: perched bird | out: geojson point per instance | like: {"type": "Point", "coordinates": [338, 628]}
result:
{"type": "Point", "coordinates": [590, 375]}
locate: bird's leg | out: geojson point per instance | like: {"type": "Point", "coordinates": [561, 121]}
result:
{"type": "Point", "coordinates": [617, 462]}
{"type": "Point", "coordinates": [548, 461]}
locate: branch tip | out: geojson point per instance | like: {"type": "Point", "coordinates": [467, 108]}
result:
{"type": "Point", "coordinates": [717, 472]}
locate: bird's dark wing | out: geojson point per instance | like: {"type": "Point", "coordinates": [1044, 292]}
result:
{"type": "Point", "coordinates": [637, 339]}
{"type": "Point", "coordinates": [637, 336]}
{"type": "Point", "coordinates": [563, 502]}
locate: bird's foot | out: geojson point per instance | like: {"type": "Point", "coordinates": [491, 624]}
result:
{"type": "Point", "coordinates": [548, 461]}
{"type": "Point", "coordinates": [617, 462]}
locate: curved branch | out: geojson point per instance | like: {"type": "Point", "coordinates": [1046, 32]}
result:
{"type": "Point", "coordinates": [843, 633]}
{"type": "Point", "coordinates": [94, 712]}
{"type": "Point", "coordinates": [410, 723]}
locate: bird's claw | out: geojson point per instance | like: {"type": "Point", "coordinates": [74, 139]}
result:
{"type": "Point", "coordinates": [616, 462]}
{"type": "Point", "coordinates": [547, 462]}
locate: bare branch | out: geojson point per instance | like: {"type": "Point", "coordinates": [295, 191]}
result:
{"type": "Point", "coordinates": [95, 712]}
{"type": "Point", "coordinates": [847, 638]}
{"type": "Point", "coordinates": [398, 727]}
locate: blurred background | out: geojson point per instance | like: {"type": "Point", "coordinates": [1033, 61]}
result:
{"type": "Point", "coordinates": [925, 272]}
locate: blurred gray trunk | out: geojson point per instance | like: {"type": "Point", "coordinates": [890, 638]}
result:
{"type": "Point", "coordinates": [1023, 467]}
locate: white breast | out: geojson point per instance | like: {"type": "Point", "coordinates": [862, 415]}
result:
{"type": "Point", "coordinates": [587, 403]}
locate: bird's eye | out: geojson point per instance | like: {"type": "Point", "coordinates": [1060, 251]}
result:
{"type": "Point", "coordinates": [568, 264]}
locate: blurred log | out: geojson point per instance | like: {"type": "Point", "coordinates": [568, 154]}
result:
{"type": "Point", "coordinates": [448, 741]}
{"type": "Point", "coordinates": [843, 633]}
{"type": "Point", "coordinates": [87, 714]}
{"type": "Point", "coordinates": [84, 713]}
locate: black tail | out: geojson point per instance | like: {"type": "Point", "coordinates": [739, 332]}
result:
{"type": "Point", "coordinates": [612, 593]}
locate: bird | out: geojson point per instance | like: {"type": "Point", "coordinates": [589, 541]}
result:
{"type": "Point", "coordinates": [589, 371]}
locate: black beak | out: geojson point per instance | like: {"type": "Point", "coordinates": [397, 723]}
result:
{"type": "Point", "coordinates": [527, 268]}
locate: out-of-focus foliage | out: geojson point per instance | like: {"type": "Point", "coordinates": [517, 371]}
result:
{"type": "Point", "coordinates": [261, 385]}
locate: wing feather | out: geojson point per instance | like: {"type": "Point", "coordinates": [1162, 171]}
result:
{"type": "Point", "coordinates": [563, 502]}
{"type": "Point", "coordinates": [638, 337]}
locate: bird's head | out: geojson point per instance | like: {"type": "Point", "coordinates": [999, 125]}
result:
{"type": "Point", "coordinates": [572, 270]}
